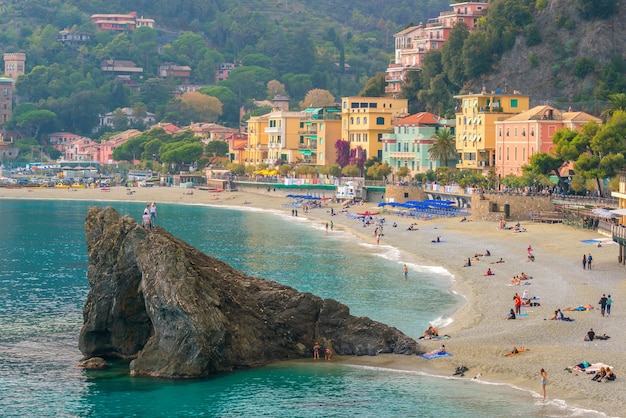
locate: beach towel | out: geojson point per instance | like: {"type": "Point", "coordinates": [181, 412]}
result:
{"type": "Point", "coordinates": [430, 356]}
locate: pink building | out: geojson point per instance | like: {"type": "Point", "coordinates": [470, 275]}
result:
{"type": "Point", "coordinates": [521, 136]}
{"type": "Point", "coordinates": [412, 43]}
{"type": "Point", "coordinates": [103, 152]}
{"type": "Point", "coordinates": [62, 140]}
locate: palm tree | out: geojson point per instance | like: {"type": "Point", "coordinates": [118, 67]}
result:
{"type": "Point", "coordinates": [616, 102]}
{"type": "Point", "coordinates": [444, 147]}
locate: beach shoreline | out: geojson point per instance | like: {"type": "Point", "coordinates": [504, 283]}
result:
{"type": "Point", "coordinates": [480, 336]}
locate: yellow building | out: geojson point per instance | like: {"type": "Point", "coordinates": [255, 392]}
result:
{"type": "Point", "coordinates": [618, 232]}
{"type": "Point", "coordinates": [318, 136]}
{"type": "Point", "coordinates": [283, 134]}
{"type": "Point", "coordinates": [475, 126]}
{"type": "Point", "coordinates": [365, 119]}
{"type": "Point", "coordinates": [256, 150]}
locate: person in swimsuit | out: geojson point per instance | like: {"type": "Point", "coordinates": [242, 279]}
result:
{"type": "Point", "coordinates": [544, 382]}
{"type": "Point", "coordinates": [316, 351]}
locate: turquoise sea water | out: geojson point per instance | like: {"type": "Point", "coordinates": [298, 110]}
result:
{"type": "Point", "coordinates": [42, 278]}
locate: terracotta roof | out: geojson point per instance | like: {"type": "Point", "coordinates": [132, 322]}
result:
{"type": "Point", "coordinates": [536, 113]}
{"type": "Point", "coordinates": [422, 118]}
{"type": "Point", "coordinates": [580, 117]}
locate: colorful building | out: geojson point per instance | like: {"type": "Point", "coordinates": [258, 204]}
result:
{"type": "Point", "coordinates": [120, 22]}
{"type": "Point", "coordinates": [256, 150]}
{"type": "Point", "coordinates": [366, 119]}
{"type": "Point", "coordinates": [409, 144]}
{"type": "Point", "coordinates": [475, 126]}
{"type": "Point", "coordinates": [412, 43]}
{"type": "Point", "coordinates": [318, 135]}
{"type": "Point", "coordinates": [520, 136]}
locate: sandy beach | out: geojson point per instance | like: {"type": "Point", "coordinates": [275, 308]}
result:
{"type": "Point", "coordinates": [479, 334]}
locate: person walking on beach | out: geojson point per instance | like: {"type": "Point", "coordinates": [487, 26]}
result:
{"type": "Point", "coordinates": [609, 302]}
{"type": "Point", "coordinates": [589, 260]}
{"type": "Point", "coordinates": [602, 304]}
{"type": "Point", "coordinates": [584, 261]}
{"type": "Point", "coordinates": [405, 271]}
{"type": "Point", "coordinates": [544, 382]}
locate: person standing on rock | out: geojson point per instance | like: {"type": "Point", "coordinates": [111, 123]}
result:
{"type": "Point", "coordinates": [145, 219]}
{"type": "Point", "coordinates": [153, 214]}
{"type": "Point", "coordinates": [316, 351]}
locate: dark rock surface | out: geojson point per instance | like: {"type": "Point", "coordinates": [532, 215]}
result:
{"type": "Point", "coordinates": [176, 312]}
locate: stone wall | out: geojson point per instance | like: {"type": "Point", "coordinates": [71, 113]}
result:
{"type": "Point", "coordinates": [401, 194]}
{"type": "Point", "coordinates": [493, 207]}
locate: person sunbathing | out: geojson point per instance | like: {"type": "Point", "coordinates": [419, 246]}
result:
{"type": "Point", "coordinates": [498, 262]}
{"type": "Point", "coordinates": [609, 374]}
{"type": "Point", "coordinates": [515, 351]}
{"type": "Point", "coordinates": [515, 281]}
{"type": "Point", "coordinates": [555, 316]}
{"type": "Point", "coordinates": [600, 374]}
{"type": "Point", "coordinates": [511, 315]}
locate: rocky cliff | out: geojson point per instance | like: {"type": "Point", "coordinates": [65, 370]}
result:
{"type": "Point", "coordinates": [546, 71]}
{"type": "Point", "coordinates": [176, 312]}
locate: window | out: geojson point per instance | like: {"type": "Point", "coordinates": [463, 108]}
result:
{"type": "Point", "coordinates": [523, 154]}
{"type": "Point", "coordinates": [352, 120]}
{"type": "Point", "coordinates": [373, 105]}
{"type": "Point", "coordinates": [523, 131]}
{"type": "Point", "coordinates": [513, 103]}
{"type": "Point", "coordinates": [515, 154]}
{"type": "Point", "coordinates": [380, 137]}
{"type": "Point", "coordinates": [365, 120]}
{"type": "Point", "coordinates": [532, 131]}
{"type": "Point", "coordinates": [358, 120]}
{"type": "Point", "coordinates": [320, 156]}
{"type": "Point", "coordinates": [500, 132]}
{"type": "Point", "coordinates": [515, 131]}
{"type": "Point", "coordinates": [508, 133]}
{"type": "Point", "coordinates": [365, 137]}
{"type": "Point", "coordinates": [380, 120]}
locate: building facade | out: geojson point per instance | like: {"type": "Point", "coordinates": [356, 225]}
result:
{"type": "Point", "coordinates": [14, 65]}
{"type": "Point", "coordinates": [410, 143]}
{"type": "Point", "coordinates": [475, 126]}
{"type": "Point", "coordinates": [414, 42]}
{"type": "Point", "coordinates": [6, 99]}
{"type": "Point", "coordinates": [256, 150]}
{"type": "Point", "coordinates": [520, 136]}
{"type": "Point", "coordinates": [121, 22]}
{"type": "Point", "coordinates": [366, 119]}
{"type": "Point", "coordinates": [318, 135]}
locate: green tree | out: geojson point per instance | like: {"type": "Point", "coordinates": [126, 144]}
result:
{"type": "Point", "coordinates": [217, 149]}
{"type": "Point", "coordinates": [443, 147]}
{"type": "Point", "coordinates": [375, 86]}
{"type": "Point", "coordinates": [451, 51]}
{"type": "Point", "coordinates": [351, 171]}
{"type": "Point", "coordinates": [616, 102]}
{"type": "Point", "coordinates": [230, 103]}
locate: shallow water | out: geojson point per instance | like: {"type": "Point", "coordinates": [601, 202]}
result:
{"type": "Point", "coordinates": [44, 262]}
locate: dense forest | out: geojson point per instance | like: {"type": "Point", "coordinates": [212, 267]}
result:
{"type": "Point", "coordinates": [285, 47]}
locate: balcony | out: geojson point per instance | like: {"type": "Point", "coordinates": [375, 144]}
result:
{"type": "Point", "coordinates": [273, 130]}
{"type": "Point", "coordinates": [311, 145]}
{"type": "Point", "coordinates": [307, 132]}
{"type": "Point", "coordinates": [274, 145]}
{"type": "Point", "coordinates": [400, 155]}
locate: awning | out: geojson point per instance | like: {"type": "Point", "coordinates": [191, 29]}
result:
{"type": "Point", "coordinates": [619, 212]}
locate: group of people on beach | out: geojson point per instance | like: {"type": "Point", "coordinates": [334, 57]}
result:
{"type": "Point", "coordinates": [316, 352]}
{"type": "Point", "coordinates": [587, 261]}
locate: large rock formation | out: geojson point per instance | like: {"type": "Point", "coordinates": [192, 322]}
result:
{"type": "Point", "coordinates": [176, 312]}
